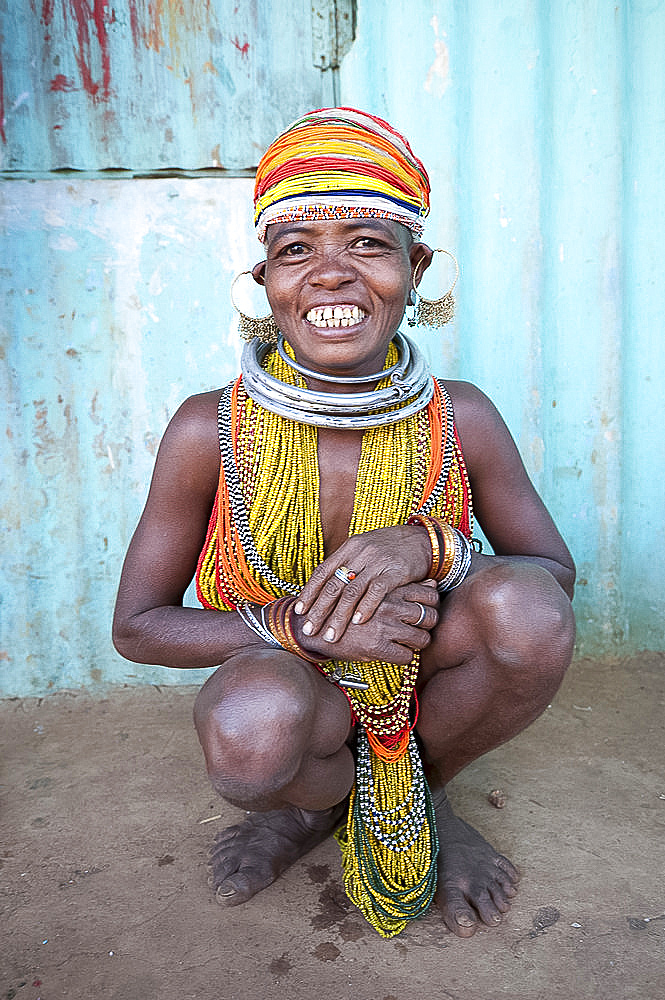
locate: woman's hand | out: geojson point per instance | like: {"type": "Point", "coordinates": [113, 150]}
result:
{"type": "Point", "coordinates": [381, 561]}
{"type": "Point", "coordinates": [400, 625]}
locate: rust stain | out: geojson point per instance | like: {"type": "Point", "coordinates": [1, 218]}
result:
{"type": "Point", "coordinates": [159, 20]}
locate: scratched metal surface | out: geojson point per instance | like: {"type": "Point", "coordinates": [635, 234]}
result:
{"type": "Point", "coordinates": [542, 130]}
{"type": "Point", "coordinates": [143, 85]}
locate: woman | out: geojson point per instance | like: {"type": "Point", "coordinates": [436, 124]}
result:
{"type": "Point", "coordinates": [324, 499]}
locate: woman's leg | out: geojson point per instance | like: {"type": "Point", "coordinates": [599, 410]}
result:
{"type": "Point", "coordinates": [498, 655]}
{"type": "Point", "coordinates": [274, 734]}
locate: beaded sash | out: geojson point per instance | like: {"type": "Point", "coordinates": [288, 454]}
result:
{"type": "Point", "coordinates": [265, 538]}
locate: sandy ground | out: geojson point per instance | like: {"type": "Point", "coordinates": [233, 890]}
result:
{"type": "Point", "coordinates": [104, 841]}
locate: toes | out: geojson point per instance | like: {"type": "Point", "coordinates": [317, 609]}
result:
{"type": "Point", "coordinates": [239, 886]}
{"type": "Point", "coordinates": [488, 912]}
{"type": "Point", "coordinates": [499, 899]}
{"type": "Point", "coordinates": [456, 912]}
{"type": "Point", "coordinates": [507, 869]}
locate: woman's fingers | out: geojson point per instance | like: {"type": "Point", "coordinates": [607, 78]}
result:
{"type": "Point", "coordinates": [333, 606]}
{"type": "Point", "coordinates": [366, 566]}
{"type": "Point", "coordinates": [424, 593]}
{"type": "Point", "coordinates": [401, 624]}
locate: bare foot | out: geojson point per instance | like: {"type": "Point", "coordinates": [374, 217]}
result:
{"type": "Point", "coordinates": [249, 856]}
{"type": "Point", "coordinates": [476, 885]}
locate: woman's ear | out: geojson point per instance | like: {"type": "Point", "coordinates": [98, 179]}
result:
{"type": "Point", "coordinates": [420, 256]}
{"type": "Point", "coordinates": [259, 272]}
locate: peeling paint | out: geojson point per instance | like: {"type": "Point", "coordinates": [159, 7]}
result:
{"type": "Point", "coordinates": [74, 82]}
{"type": "Point", "coordinates": [438, 74]}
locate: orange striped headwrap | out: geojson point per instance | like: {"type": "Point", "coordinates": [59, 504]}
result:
{"type": "Point", "coordinates": [340, 163]}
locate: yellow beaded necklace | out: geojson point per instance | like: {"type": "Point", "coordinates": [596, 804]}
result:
{"type": "Point", "coordinates": [389, 845]}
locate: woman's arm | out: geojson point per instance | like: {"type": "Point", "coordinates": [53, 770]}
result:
{"type": "Point", "coordinates": [509, 510]}
{"type": "Point", "coordinates": [150, 625]}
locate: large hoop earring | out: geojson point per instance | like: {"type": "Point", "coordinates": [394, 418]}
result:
{"type": "Point", "coordinates": [433, 313]}
{"type": "Point", "coordinates": [262, 327]}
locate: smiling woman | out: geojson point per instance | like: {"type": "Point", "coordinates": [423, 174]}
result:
{"type": "Point", "coordinates": [315, 270]}
{"type": "Point", "coordinates": [323, 500]}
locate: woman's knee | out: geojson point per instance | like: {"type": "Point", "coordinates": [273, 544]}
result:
{"type": "Point", "coordinates": [253, 722]}
{"type": "Point", "coordinates": [524, 617]}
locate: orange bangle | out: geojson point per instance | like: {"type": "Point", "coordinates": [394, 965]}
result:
{"type": "Point", "coordinates": [449, 547]}
{"type": "Point", "coordinates": [426, 522]}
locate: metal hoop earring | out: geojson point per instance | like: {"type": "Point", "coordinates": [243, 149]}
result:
{"type": "Point", "coordinates": [262, 327]}
{"type": "Point", "coordinates": [433, 313]}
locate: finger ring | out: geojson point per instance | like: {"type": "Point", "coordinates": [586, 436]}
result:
{"type": "Point", "coordinates": [423, 612]}
{"type": "Point", "coordinates": [344, 574]}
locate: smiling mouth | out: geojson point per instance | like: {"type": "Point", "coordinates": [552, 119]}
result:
{"type": "Point", "coordinates": [335, 316]}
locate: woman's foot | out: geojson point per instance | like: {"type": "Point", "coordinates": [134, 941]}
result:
{"type": "Point", "coordinates": [249, 856]}
{"type": "Point", "coordinates": [476, 885]}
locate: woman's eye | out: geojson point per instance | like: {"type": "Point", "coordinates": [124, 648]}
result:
{"type": "Point", "coordinates": [368, 243]}
{"type": "Point", "coordinates": [293, 250]}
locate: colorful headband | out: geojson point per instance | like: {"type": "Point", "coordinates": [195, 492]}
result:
{"type": "Point", "coordinates": [340, 163]}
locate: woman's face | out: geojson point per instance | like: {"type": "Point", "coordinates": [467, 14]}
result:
{"type": "Point", "coordinates": [338, 289]}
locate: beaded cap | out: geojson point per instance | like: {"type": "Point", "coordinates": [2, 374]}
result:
{"type": "Point", "coordinates": [339, 163]}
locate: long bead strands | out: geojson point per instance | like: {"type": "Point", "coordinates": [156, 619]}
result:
{"type": "Point", "coordinates": [389, 885]}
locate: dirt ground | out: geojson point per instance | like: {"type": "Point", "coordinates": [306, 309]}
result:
{"type": "Point", "coordinates": [104, 827]}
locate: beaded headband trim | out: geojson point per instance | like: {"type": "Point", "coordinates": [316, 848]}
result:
{"type": "Point", "coordinates": [340, 160]}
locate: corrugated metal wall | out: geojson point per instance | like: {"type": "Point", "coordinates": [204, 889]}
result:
{"type": "Point", "coordinates": [543, 129]}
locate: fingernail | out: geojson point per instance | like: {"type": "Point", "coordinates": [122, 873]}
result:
{"type": "Point", "coordinates": [329, 634]}
{"type": "Point", "coordinates": [299, 608]}
{"type": "Point", "coordinates": [307, 628]}
{"type": "Point", "coordinates": [357, 618]}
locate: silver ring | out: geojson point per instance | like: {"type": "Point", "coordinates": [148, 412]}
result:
{"type": "Point", "coordinates": [423, 612]}
{"type": "Point", "coordinates": [344, 574]}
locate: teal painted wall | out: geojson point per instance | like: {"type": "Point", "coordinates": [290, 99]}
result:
{"type": "Point", "coordinates": [542, 127]}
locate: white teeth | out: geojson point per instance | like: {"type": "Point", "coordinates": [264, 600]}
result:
{"type": "Point", "coordinates": [335, 316]}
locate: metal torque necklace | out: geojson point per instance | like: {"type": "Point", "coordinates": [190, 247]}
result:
{"type": "Point", "coordinates": [410, 390]}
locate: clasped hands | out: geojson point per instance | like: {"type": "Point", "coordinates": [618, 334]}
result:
{"type": "Point", "coordinates": [387, 608]}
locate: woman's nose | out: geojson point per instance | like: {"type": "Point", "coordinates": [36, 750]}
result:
{"type": "Point", "coordinates": [330, 270]}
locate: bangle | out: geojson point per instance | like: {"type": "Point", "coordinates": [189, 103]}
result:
{"type": "Point", "coordinates": [429, 525]}
{"type": "Point", "coordinates": [258, 627]}
{"type": "Point", "coordinates": [449, 547]}
{"type": "Point", "coordinates": [460, 566]}
{"type": "Point", "coordinates": [279, 614]}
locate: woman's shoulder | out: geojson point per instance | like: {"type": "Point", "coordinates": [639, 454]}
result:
{"type": "Point", "coordinates": [469, 402]}
{"type": "Point", "coordinates": [479, 424]}
{"type": "Point", "coordinates": [191, 436]}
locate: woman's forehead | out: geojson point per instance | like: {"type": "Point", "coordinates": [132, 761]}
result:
{"type": "Point", "coordinates": [327, 230]}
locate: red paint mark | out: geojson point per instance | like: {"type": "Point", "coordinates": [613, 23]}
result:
{"type": "Point", "coordinates": [134, 23]}
{"type": "Point", "coordinates": [83, 14]}
{"type": "Point", "coordinates": [87, 14]}
{"type": "Point", "coordinates": [61, 82]}
{"type": "Point", "coordinates": [242, 49]}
